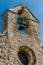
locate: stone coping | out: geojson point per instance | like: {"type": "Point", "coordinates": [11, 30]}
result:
{"type": "Point", "coordinates": [3, 34]}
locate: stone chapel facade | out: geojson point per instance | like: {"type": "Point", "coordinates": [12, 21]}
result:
{"type": "Point", "coordinates": [20, 42]}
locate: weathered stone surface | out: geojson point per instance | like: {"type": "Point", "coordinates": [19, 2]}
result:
{"type": "Point", "coordinates": [12, 40]}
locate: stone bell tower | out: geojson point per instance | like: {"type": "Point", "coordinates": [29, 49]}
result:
{"type": "Point", "coordinates": [20, 40]}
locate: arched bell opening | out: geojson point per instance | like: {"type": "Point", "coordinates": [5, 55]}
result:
{"type": "Point", "coordinates": [23, 20]}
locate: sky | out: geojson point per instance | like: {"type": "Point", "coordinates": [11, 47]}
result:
{"type": "Point", "coordinates": [35, 6]}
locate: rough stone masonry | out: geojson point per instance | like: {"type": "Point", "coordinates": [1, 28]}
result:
{"type": "Point", "coordinates": [17, 48]}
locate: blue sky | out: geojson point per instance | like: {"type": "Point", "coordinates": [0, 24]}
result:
{"type": "Point", "coordinates": [36, 7]}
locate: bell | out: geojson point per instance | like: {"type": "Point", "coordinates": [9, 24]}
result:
{"type": "Point", "coordinates": [22, 27]}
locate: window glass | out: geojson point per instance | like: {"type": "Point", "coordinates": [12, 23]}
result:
{"type": "Point", "coordinates": [23, 58]}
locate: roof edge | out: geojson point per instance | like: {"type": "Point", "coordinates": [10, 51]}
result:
{"type": "Point", "coordinates": [26, 8]}
{"type": "Point", "coordinates": [4, 12]}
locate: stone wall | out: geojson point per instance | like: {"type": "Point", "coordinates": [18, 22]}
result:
{"type": "Point", "coordinates": [9, 49]}
{"type": "Point", "coordinates": [12, 41]}
{"type": "Point", "coordinates": [4, 21]}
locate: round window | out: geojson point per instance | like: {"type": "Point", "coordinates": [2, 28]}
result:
{"type": "Point", "coordinates": [26, 56]}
